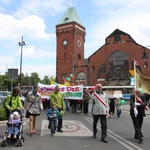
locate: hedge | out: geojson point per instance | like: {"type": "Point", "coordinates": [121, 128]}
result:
{"type": "Point", "coordinates": [2, 113]}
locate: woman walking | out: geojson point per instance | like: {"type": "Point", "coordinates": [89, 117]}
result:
{"type": "Point", "coordinates": [33, 103]}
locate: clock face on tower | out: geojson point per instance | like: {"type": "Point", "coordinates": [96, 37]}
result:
{"type": "Point", "coordinates": [79, 43]}
{"type": "Point", "coordinates": [65, 42]}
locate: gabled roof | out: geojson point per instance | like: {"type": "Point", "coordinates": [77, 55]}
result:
{"type": "Point", "coordinates": [119, 32]}
{"type": "Point", "coordinates": [70, 16]}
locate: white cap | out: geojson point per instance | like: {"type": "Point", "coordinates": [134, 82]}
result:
{"type": "Point", "coordinates": [15, 113]}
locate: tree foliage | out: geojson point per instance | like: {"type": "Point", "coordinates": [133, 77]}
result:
{"type": "Point", "coordinates": [5, 83]}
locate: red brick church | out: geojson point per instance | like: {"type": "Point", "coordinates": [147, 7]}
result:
{"type": "Point", "coordinates": [110, 64]}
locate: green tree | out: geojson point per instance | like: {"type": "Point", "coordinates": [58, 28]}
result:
{"type": "Point", "coordinates": [5, 83]}
{"type": "Point", "coordinates": [34, 79]}
{"type": "Point", "coordinates": [46, 80]}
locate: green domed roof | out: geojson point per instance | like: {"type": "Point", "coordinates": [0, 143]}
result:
{"type": "Point", "coordinates": [70, 16]}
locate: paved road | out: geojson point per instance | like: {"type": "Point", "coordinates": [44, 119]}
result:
{"type": "Point", "coordinates": [78, 134]}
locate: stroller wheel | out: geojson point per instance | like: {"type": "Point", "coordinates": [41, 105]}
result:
{"type": "Point", "coordinates": [18, 143]}
{"type": "Point", "coordinates": [4, 143]}
{"type": "Point", "coordinates": [23, 139]}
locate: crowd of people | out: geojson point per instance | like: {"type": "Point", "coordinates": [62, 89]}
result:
{"type": "Point", "coordinates": [94, 102]}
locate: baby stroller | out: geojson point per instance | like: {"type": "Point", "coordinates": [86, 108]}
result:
{"type": "Point", "coordinates": [19, 137]}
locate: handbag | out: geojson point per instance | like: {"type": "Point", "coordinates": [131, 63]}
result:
{"type": "Point", "coordinates": [27, 111]}
{"type": "Point", "coordinates": [27, 114]}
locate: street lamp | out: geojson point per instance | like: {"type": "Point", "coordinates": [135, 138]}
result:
{"type": "Point", "coordinates": [22, 43]}
{"type": "Point", "coordinates": [145, 57]}
{"type": "Point", "coordinates": [72, 64]}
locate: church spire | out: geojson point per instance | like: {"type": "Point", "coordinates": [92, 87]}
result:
{"type": "Point", "coordinates": [70, 16]}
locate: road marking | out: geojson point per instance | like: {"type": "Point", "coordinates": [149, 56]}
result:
{"type": "Point", "coordinates": [116, 137]}
{"type": "Point", "coordinates": [70, 128]}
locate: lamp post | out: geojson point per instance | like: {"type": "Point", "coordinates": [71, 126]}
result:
{"type": "Point", "coordinates": [22, 43]}
{"type": "Point", "coordinates": [72, 64]}
{"type": "Point", "coordinates": [145, 57]}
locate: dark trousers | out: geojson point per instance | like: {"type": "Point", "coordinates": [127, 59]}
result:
{"type": "Point", "coordinates": [118, 113]}
{"type": "Point", "coordinates": [112, 109]}
{"type": "Point", "coordinates": [85, 108]}
{"type": "Point", "coordinates": [137, 123]}
{"type": "Point", "coordinates": [103, 122]}
{"type": "Point", "coordinates": [59, 123]}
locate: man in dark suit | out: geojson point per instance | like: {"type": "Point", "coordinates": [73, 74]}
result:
{"type": "Point", "coordinates": [137, 112]}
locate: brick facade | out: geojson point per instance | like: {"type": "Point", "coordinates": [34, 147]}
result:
{"type": "Point", "coordinates": [111, 62]}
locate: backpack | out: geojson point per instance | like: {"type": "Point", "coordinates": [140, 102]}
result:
{"type": "Point", "coordinates": [10, 103]}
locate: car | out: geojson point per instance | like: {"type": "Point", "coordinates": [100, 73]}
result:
{"type": "Point", "coordinates": [3, 95]}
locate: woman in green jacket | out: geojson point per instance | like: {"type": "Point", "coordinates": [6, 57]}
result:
{"type": "Point", "coordinates": [13, 100]}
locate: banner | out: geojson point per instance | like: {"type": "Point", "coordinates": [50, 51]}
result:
{"type": "Point", "coordinates": [114, 94]}
{"type": "Point", "coordinates": [143, 82]}
{"type": "Point", "coordinates": [69, 92]}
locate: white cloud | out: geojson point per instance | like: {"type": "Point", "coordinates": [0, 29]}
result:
{"type": "Point", "coordinates": [31, 26]}
{"type": "Point", "coordinates": [38, 7]}
{"type": "Point", "coordinates": [5, 1]}
{"type": "Point", "coordinates": [45, 70]}
{"type": "Point", "coordinates": [34, 53]}
{"type": "Point", "coordinates": [132, 21]}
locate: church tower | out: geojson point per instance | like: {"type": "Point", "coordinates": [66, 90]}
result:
{"type": "Point", "coordinates": [70, 38]}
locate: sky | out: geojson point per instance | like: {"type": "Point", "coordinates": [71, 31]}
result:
{"type": "Point", "coordinates": [36, 20]}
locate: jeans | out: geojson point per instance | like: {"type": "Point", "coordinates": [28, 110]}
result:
{"type": "Point", "coordinates": [66, 106]}
{"type": "Point", "coordinates": [53, 125]}
{"type": "Point", "coordinates": [13, 130]}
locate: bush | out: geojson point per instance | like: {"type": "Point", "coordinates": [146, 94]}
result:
{"type": "Point", "coordinates": [2, 113]}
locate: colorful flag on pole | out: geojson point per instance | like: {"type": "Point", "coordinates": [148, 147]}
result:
{"type": "Point", "coordinates": [143, 82]}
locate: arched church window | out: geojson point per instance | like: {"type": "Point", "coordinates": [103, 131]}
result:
{"type": "Point", "coordinates": [102, 72]}
{"type": "Point", "coordinates": [118, 64]}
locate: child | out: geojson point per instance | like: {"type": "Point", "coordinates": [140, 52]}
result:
{"type": "Point", "coordinates": [118, 107]}
{"type": "Point", "coordinates": [52, 115]}
{"type": "Point", "coordinates": [13, 124]}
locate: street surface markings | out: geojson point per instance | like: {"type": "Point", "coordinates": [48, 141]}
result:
{"type": "Point", "coordinates": [116, 137]}
{"type": "Point", "coordinates": [70, 128]}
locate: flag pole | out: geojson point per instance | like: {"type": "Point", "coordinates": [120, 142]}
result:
{"type": "Point", "coordinates": [135, 77]}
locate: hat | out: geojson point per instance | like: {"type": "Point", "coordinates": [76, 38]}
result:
{"type": "Point", "coordinates": [15, 113]}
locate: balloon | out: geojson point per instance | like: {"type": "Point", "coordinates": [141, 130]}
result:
{"type": "Point", "coordinates": [93, 88]}
{"type": "Point", "coordinates": [141, 90]}
{"type": "Point", "coordinates": [56, 84]}
{"type": "Point", "coordinates": [122, 102]}
{"type": "Point", "coordinates": [68, 79]}
{"type": "Point", "coordinates": [71, 75]}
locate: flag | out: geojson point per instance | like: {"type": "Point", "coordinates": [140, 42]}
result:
{"type": "Point", "coordinates": [143, 82]}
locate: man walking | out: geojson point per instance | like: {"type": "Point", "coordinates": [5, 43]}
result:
{"type": "Point", "coordinates": [58, 99]}
{"type": "Point", "coordinates": [137, 112]}
{"type": "Point", "coordinates": [99, 109]}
